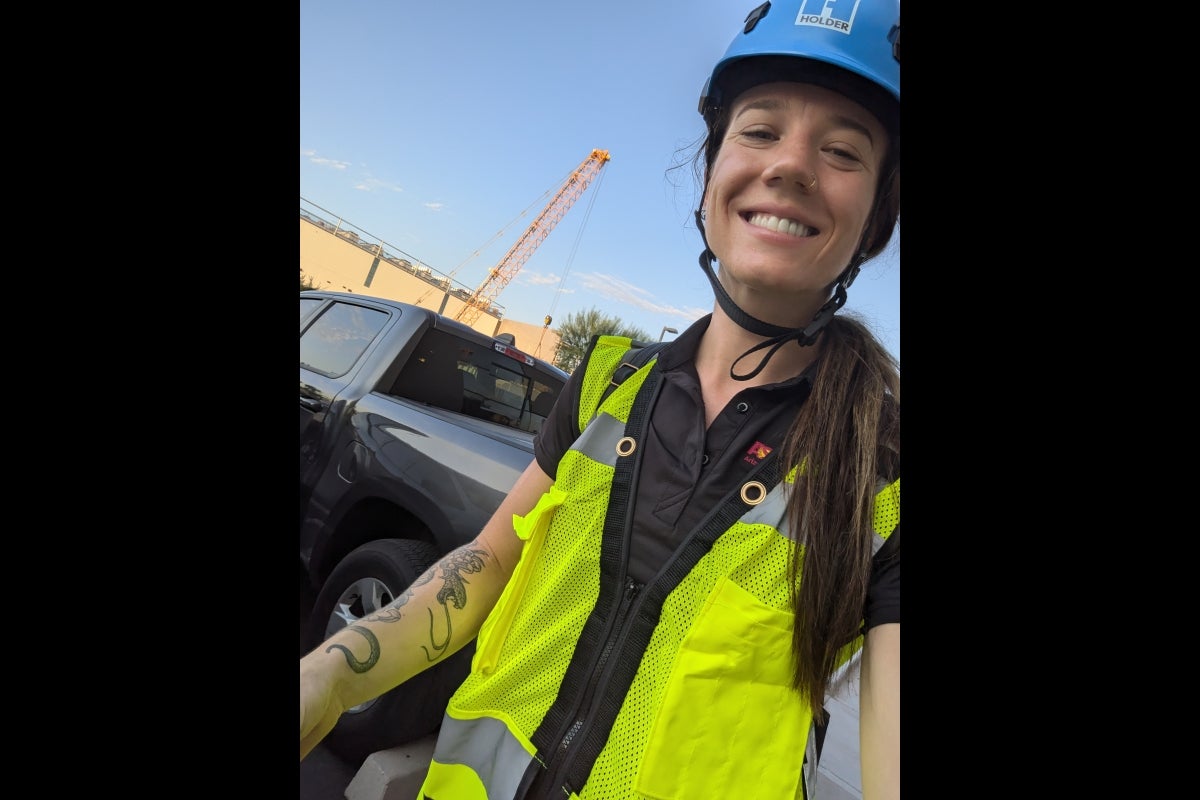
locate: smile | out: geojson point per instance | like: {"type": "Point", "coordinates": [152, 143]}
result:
{"type": "Point", "coordinates": [772, 223]}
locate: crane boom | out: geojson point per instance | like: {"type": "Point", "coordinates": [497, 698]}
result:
{"type": "Point", "coordinates": [508, 267]}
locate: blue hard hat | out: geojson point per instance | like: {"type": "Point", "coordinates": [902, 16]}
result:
{"type": "Point", "coordinates": [849, 46]}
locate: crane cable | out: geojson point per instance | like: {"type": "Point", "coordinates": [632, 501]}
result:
{"type": "Point", "coordinates": [571, 258]}
{"type": "Point", "coordinates": [499, 233]}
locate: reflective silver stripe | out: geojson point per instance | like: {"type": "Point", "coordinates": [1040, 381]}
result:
{"type": "Point", "coordinates": [599, 440]}
{"type": "Point", "coordinates": [771, 511]}
{"type": "Point", "coordinates": [487, 747]}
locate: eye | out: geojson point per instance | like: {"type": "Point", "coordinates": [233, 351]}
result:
{"type": "Point", "coordinates": [846, 156]}
{"type": "Point", "coordinates": [758, 134]}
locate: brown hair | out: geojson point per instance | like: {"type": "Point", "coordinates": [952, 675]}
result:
{"type": "Point", "coordinates": [847, 433]}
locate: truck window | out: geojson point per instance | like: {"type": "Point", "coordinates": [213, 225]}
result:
{"type": "Point", "coordinates": [308, 305]}
{"type": "Point", "coordinates": [475, 379]}
{"type": "Point", "coordinates": [335, 340]}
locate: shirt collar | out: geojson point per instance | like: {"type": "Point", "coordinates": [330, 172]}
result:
{"type": "Point", "coordinates": [682, 349]}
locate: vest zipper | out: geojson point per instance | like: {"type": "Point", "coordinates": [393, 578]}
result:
{"type": "Point", "coordinates": [565, 751]}
{"type": "Point", "coordinates": [550, 780]}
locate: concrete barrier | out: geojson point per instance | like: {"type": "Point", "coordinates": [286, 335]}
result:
{"type": "Point", "coordinates": [394, 774]}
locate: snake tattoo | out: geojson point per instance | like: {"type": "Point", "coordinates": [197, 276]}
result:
{"type": "Point", "coordinates": [389, 613]}
{"type": "Point", "coordinates": [356, 665]}
{"type": "Point", "coordinates": [453, 591]}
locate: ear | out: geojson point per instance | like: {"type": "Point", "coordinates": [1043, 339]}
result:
{"type": "Point", "coordinates": [879, 227]}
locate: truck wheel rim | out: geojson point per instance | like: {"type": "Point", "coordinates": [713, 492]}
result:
{"type": "Point", "coordinates": [360, 599]}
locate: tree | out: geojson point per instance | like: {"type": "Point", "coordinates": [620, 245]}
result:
{"type": "Point", "coordinates": [577, 330]}
{"type": "Point", "coordinates": [306, 282]}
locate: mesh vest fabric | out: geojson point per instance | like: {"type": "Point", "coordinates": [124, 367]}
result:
{"type": "Point", "coordinates": [710, 712]}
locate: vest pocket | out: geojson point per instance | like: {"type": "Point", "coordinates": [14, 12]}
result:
{"type": "Point", "coordinates": [532, 528]}
{"type": "Point", "coordinates": [730, 724]}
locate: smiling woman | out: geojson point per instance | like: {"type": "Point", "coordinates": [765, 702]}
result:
{"type": "Point", "coordinates": [735, 490]}
{"type": "Point", "coordinates": [789, 195]}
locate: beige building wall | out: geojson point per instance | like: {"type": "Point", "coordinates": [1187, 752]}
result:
{"type": "Point", "coordinates": [340, 261]}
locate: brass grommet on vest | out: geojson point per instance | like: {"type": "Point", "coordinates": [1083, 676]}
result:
{"type": "Point", "coordinates": [626, 445]}
{"type": "Point", "coordinates": [753, 493]}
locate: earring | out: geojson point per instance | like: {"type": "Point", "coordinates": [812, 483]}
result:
{"type": "Point", "coordinates": [704, 214]}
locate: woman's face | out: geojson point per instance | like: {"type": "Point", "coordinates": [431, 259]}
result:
{"type": "Point", "coordinates": [782, 241]}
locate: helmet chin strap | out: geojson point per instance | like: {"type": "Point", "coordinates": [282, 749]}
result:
{"type": "Point", "coordinates": [777, 336]}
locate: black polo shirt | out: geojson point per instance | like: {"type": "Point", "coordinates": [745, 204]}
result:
{"type": "Point", "coordinates": [693, 468]}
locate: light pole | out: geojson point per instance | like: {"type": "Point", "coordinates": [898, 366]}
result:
{"type": "Point", "coordinates": [665, 331]}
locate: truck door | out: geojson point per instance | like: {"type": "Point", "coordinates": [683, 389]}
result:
{"type": "Point", "coordinates": [331, 342]}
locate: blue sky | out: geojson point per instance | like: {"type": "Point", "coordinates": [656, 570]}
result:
{"type": "Point", "coordinates": [444, 128]}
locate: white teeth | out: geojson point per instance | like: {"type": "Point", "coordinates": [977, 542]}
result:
{"type": "Point", "coordinates": [788, 226]}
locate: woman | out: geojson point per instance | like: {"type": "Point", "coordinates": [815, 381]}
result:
{"type": "Point", "coordinates": [700, 550]}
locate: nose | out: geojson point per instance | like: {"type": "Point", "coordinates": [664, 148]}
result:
{"type": "Point", "coordinates": [793, 163]}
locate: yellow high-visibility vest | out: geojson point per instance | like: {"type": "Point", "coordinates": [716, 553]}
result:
{"type": "Point", "coordinates": [676, 690]}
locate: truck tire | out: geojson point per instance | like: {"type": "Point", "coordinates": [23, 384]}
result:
{"type": "Point", "coordinates": [365, 581]}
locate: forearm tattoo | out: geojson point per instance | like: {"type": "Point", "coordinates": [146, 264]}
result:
{"type": "Point", "coordinates": [372, 658]}
{"type": "Point", "coordinates": [389, 613]}
{"type": "Point", "coordinates": [453, 591]}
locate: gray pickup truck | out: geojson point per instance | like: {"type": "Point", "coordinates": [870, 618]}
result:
{"type": "Point", "coordinates": [413, 428]}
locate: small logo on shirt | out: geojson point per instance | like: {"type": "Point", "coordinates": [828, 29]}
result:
{"type": "Point", "coordinates": [756, 453]}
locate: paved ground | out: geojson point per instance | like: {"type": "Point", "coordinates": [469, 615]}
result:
{"type": "Point", "coordinates": [324, 776]}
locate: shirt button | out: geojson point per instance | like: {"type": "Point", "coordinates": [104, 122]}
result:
{"type": "Point", "coordinates": [743, 407]}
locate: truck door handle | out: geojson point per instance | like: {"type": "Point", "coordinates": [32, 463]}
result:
{"type": "Point", "coordinates": [310, 404]}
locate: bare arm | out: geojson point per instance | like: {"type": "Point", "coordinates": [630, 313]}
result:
{"type": "Point", "coordinates": [879, 713]}
{"type": "Point", "coordinates": [379, 652]}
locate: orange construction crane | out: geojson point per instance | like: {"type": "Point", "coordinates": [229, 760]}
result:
{"type": "Point", "coordinates": [511, 264]}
